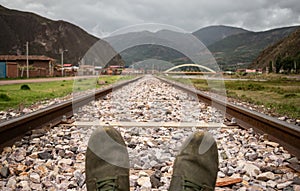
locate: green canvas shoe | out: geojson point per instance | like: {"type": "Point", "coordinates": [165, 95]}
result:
{"type": "Point", "coordinates": [196, 166]}
{"type": "Point", "coordinates": [107, 161]}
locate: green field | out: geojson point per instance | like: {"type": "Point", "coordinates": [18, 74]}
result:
{"type": "Point", "coordinates": [12, 96]}
{"type": "Point", "coordinates": [282, 95]}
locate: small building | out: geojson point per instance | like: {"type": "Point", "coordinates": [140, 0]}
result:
{"type": "Point", "coordinates": [249, 71]}
{"type": "Point", "coordinates": [112, 70]}
{"type": "Point", "coordinates": [13, 66]}
{"type": "Point", "coordinates": [87, 70]}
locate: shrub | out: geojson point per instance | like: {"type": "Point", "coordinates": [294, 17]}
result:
{"type": "Point", "coordinates": [290, 95]}
{"type": "Point", "coordinates": [25, 87]}
{"type": "Point", "coordinates": [254, 87]}
{"type": "Point", "coordinates": [4, 97]}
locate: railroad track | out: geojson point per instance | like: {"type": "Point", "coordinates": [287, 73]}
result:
{"type": "Point", "coordinates": [64, 145]}
{"type": "Point", "coordinates": [15, 129]}
{"type": "Point", "coordinates": [286, 134]}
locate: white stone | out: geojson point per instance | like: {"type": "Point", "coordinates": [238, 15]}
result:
{"type": "Point", "coordinates": [25, 185]}
{"type": "Point", "coordinates": [284, 184]}
{"type": "Point", "coordinates": [296, 187]}
{"type": "Point", "coordinates": [273, 144]}
{"type": "Point", "coordinates": [221, 174]}
{"type": "Point", "coordinates": [11, 183]}
{"type": "Point", "coordinates": [34, 177]}
{"type": "Point", "coordinates": [266, 176]}
{"type": "Point", "coordinates": [65, 161]}
{"type": "Point", "coordinates": [251, 170]}
{"type": "Point", "coordinates": [34, 186]}
{"type": "Point", "coordinates": [143, 174]}
{"type": "Point", "coordinates": [271, 183]}
{"type": "Point", "coordinates": [144, 182]}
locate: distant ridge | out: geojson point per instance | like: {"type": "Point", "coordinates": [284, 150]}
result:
{"type": "Point", "coordinates": [245, 47]}
{"type": "Point", "coordinates": [211, 34]}
{"type": "Point", "coordinates": [45, 36]}
{"type": "Point", "coordinates": [286, 50]}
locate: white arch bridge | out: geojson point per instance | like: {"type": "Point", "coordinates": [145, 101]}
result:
{"type": "Point", "coordinates": [185, 65]}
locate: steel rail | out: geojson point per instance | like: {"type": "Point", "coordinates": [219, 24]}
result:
{"type": "Point", "coordinates": [287, 135]}
{"type": "Point", "coordinates": [15, 129]}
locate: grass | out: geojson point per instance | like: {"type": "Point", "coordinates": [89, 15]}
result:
{"type": "Point", "coordinates": [12, 96]}
{"type": "Point", "coordinates": [280, 94]}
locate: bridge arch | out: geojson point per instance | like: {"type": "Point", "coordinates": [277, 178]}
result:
{"type": "Point", "coordinates": [185, 65]}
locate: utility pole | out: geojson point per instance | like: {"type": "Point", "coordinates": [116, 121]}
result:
{"type": "Point", "coordinates": [27, 62]}
{"type": "Point", "coordinates": [62, 61]}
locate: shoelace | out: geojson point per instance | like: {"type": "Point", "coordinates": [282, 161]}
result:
{"type": "Point", "coordinates": [108, 184]}
{"type": "Point", "coordinates": [189, 185]}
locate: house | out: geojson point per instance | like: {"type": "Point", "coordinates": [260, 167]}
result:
{"type": "Point", "coordinates": [14, 66]}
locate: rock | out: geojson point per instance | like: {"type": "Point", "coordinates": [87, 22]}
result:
{"type": "Point", "coordinates": [296, 180]}
{"type": "Point", "coordinates": [24, 185]}
{"type": "Point", "coordinates": [72, 185]}
{"type": "Point", "coordinates": [155, 179]}
{"type": "Point", "coordinates": [19, 158]}
{"type": "Point", "coordinates": [65, 162]}
{"type": "Point", "coordinates": [223, 155]}
{"type": "Point", "coordinates": [296, 187]}
{"type": "Point", "coordinates": [74, 149]}
{"type": "Point", "coordinates": [272, 144]}
{"type": "Point", "coordinates": [251, 156]}
{"type": "Point", "coordinates": [33, 136]}
{"type": "Point", "coordinates": [251, 170]}
{"type": "Point", "coordinates": [42, 170]}
{"type": "Point", "coordinates": [79, 177]}
{"type": "Point", "coordinates": [293, 160]}
{"type": "Point", "coordinates": [35, 178]}
{"type": "Point", "coordinates": [20, 168]}
{"type": "Point", "coordinates": [221, 174]}
{"type": "Point", "coordinates": [45, 155]}
{"type": "Point", "coordinates": [271, 183]}
{"type": "Point", "coordinates": [11, 183]}
{"type": "Point", "coordinates": [266, 176]}
{"type": "Point", "coordinates": [61, 153]}
{"type": "Point", "coordinates": [34, 186]}
{"type": "Point", "coordinates": [282, 118]}
{"type": "Point", "coordinates": [145, 183]}
{"type": "Point", "coordinates": [286, 156]}
{"type": "Point", "coordinates": [284, 184]}
{"type": "Point", "coordinates": [143, 174]}
{"type": "Point", "coordinates": [4, 172]}
{"type": "Point", "coordinates": [7, 149]}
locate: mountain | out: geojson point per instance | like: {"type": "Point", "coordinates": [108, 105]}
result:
{"type": "Point", "coordinates": [45, 36]}
{"type": "Point", "coordinates": [152, 51]}
{"type": "Point", "coordinates": [281, 55]}
{"type": "Point", "coordinates": [243, 48]}
{"type": "Point", "coordinates": [164, 45]}
{"type": "Point", "coordinates": [238, 49]}
{"type": "Point", "coordinates": [212, 34]}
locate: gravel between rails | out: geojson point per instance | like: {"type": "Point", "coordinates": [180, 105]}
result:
{"type": "Point", "coordinates": [53, 159]}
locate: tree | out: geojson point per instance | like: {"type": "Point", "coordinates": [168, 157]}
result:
{"type": "Point", "coordinates": [287, 64]}
{"type": "Point", "coordinates": [270, 66]}
{"type": "Point", "coordinates": [278, 64]}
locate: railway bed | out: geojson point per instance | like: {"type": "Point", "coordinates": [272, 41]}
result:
{"type": "Point", "coordinates": [53, 158]}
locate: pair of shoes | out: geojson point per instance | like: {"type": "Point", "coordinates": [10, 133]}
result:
{"type": "Point", "coordinates": [107, 163]}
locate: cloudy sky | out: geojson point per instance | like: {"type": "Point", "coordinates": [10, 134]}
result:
{"type": "Point", "coordinates": [101, 17]}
